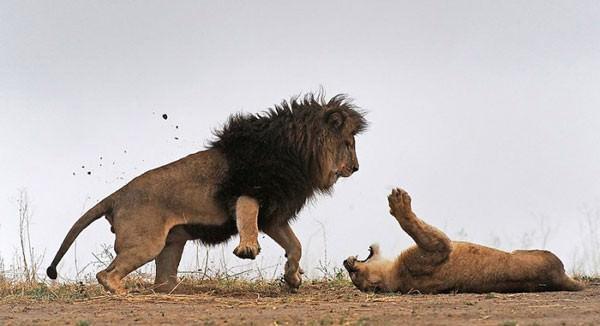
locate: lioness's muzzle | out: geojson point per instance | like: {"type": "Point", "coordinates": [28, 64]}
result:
{"type": "Point", "coordinates": [349, 264]}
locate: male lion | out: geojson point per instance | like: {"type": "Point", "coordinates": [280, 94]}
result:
{"type": "Point", "coordinates": [256, 175]}
{"type": "Point", "coordinates": [438, 265]}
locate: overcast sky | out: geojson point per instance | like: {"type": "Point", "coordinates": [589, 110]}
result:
{"type": "Point", "coordinates": [486, 112]}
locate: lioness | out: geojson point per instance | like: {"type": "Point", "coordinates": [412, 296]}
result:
{"type": "Point", "coordinates": [438, 265]}
{"type": "Point", "coordinates": [256, 175]}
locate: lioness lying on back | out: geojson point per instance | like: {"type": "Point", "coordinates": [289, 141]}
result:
{"type": "Point", "coordinates": [438, 265]}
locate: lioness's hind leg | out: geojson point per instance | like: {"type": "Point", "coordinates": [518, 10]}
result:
{"type": "Point", "coordinates": [556, 271]}
{"type": "Point", "coordinates": [565, 283]}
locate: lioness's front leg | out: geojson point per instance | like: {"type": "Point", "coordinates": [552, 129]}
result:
{"type": "Point", "coordinates": [246, 213]}
{"type": "Point", "coordinates": [426, 236]}
{"type": "Point", "coordinates": [285, 237]}
{"type": "Point", "coordinates": [433, 245]}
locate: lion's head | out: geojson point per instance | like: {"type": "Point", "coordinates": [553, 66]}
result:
{"type": "Point", "coordinates": [338, 154]}
{"type": "Point", "coordinates": [285, 154]}
{"type": "Point", "coordinates": [371, 274]}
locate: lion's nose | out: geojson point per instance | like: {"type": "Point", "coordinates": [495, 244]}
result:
{"type": "Point", "coordinates": [355, 168]}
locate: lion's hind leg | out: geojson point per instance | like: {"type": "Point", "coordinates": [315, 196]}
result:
{"type": "Point", "coordinates": [168, 261]}
{"type": "Point", "coordinates": [135, 245]}
{"type": "Point", "coordinates": [433, 245]}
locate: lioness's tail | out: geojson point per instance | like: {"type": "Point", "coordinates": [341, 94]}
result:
{"type": "Point", "coordinates": [90, 216]}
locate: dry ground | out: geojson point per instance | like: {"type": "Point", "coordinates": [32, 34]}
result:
{"type": "Point", "coordinates": [318, 303]}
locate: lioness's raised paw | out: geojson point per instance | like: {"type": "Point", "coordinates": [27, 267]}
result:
{"type": "Point", "coordinates": [399, 202]}
{"type": "Point", "coordinates": [249, 251]}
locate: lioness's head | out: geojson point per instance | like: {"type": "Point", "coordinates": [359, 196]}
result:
{"type": "Point", "coordinates": [372, 274]}
{"type": "Point", "coordinates": [339, 158]}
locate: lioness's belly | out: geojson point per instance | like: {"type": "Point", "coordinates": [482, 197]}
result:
{"type": "Point", "coordinates": [475, 268]}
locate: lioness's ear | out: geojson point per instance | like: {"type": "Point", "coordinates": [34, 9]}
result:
{"type": "Point", "coordinates": [374, 248]}
{"type": "Point", "coordinates": [335, 119]}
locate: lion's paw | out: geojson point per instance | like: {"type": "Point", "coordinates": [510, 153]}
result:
{"type": "Point", "coordinates": [165, 287]}
{"type": "Point", "coordinates": [399, 201]}
{"type": "Point", "coordinates": [293, 280]}
{"type": "Point", "coordinates": [111, 285]}
{"type": "Point", "coordinates": [247, 251]}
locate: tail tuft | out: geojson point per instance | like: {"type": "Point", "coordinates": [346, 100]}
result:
{"type": "Point", "coordinates": [51, 272]}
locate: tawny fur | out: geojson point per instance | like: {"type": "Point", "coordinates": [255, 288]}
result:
{"type": "Point", "coordinates": [256, 175]}
{"type": "Point", "coordinates": [438, 265]}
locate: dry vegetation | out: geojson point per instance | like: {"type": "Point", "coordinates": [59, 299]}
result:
{"type": "Point", "coordinates": [219, 294]}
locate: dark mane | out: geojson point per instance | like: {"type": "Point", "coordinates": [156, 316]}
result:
{"type": "Point", "coordinates": [275, 156]}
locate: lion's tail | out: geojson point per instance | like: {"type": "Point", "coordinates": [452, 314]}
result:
{"type": "Point", "coordinates": [99, 210]}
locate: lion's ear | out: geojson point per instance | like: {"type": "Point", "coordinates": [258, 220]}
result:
{"type": "Point", "coordinates": [335, 119]}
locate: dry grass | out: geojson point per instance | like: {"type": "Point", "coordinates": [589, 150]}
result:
{"type": "Point", "coordinates": [240, 288]}
{"type": "Point", "coordinates": [24, 290]}
{"type": "Point", "coordinates": [141, 288]}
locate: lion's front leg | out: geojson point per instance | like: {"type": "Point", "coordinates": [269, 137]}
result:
{"type": "Point", "coordinates": [246, 211]}
{"type": "Point", "coordinates": [285, 237]}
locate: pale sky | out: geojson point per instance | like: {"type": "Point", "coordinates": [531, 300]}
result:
{"type": "Point", "coordinates": [486, 112]}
